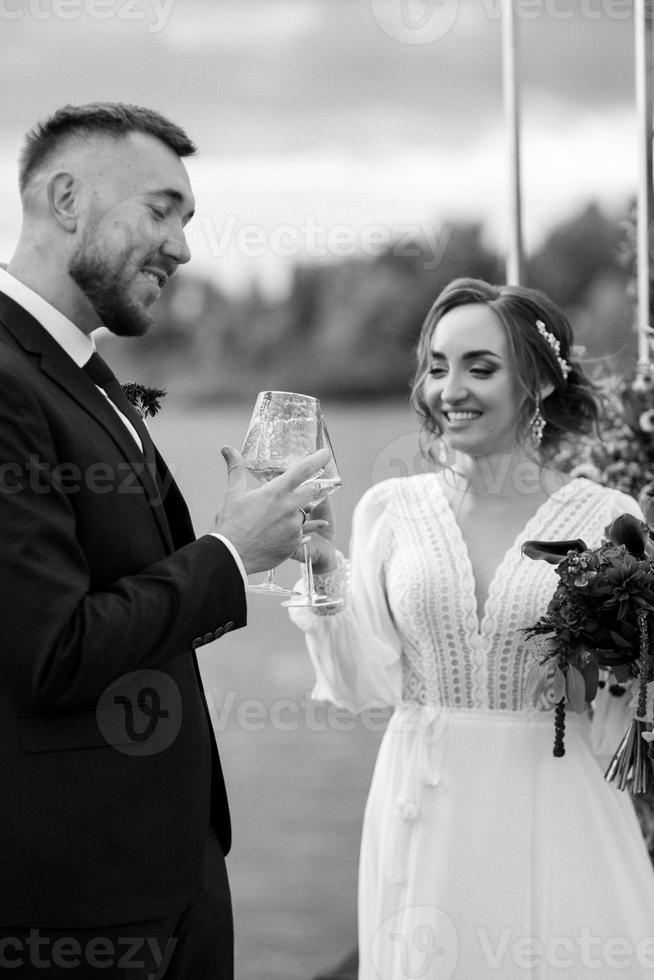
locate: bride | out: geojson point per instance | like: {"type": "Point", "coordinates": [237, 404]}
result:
{"type": "Point", "coordinates": [482, 855]}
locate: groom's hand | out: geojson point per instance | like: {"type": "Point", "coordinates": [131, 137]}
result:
{"type": "Point", "coordinates": [265, 525]}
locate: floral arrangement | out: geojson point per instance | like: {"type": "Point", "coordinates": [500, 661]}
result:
{"type": "Point", "coordinates": [625, 456]}
{"type": "Point", "coordinates": [600, 618]}
{"type": "Point", "coordinates": [146, 401]}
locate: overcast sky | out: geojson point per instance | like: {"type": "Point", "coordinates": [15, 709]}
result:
{"type": "Point", "coordinates": [325, 126]}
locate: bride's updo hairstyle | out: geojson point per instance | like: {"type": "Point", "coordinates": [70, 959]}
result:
{"type": "Point", "coordinates": [570, 410]}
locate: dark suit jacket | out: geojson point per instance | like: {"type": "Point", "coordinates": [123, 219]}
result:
{"type": "Point", "coordinates": [98, 581]}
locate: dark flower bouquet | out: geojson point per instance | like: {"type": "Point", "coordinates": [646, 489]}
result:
{"type": "Point", "coordinates": [600, 618]}
{"type": "Point", "coordinates": [146, 401]}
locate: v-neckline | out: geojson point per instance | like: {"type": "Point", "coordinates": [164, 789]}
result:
{"type": "Point", "coordinates": [481, 612]}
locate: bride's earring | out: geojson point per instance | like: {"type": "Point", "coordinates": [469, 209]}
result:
{"type": "Point", "coordinates": [440, 454]}
{"type": "Point", "coordinates": [537, 425]}
{"type": "Point", "coordinates": [435, 450]}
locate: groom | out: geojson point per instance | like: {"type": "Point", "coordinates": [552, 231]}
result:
{"type": "Point", "coordinates": [113, 814]}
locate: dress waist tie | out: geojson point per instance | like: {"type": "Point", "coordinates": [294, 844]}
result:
{"type": "Point", "coordinates": [423, 769]}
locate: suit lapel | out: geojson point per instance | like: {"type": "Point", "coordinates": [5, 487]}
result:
{"type": "Point", "coordinates": [179, 519]}
{"type": "Point", "coordinates": [55, 362]}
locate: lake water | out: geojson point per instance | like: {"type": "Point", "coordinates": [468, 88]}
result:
{"type": "Point", "coordinates": [297, 772]}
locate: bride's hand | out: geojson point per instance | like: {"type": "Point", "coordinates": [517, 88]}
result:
{"type": "Point", "coordinates": [320, 526]}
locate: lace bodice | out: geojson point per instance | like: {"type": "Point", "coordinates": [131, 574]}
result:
{"type": "Point", "coordinates": [449, 655]}
{"type": "Point", "coordinates": [411, 630]}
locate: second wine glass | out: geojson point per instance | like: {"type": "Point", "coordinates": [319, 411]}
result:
{"type": "Point", "coordinates": [328, 481]}
{"type": "Point", "coordinates": [285, 427]}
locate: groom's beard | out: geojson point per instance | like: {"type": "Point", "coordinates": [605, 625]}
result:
{"type": "Point", "coordinates": [106, 284]}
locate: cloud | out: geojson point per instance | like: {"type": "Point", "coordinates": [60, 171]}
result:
{"type": "Point", "coordinates": [309, 107]}
{"type": "Point", "coordinates": [246, 75]}
{"type": "Point", "coordinates": [244, 27]}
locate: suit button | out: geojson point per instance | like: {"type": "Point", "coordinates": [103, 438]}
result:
{"type": "Point", "coordinates": [207, 638]}
{"type": "Point", "coordinates": [218, 633]}
{"type": "Point", "coordinates": [197, 642]}
{"type": "Point", "coordinates": [229, 626]}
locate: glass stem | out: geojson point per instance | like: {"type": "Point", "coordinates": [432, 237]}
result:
{"type": "Point", "coordinates": [311, 591]}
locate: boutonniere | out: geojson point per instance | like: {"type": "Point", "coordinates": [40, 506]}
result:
{"type": "Point", "coordinates": [146, 401]}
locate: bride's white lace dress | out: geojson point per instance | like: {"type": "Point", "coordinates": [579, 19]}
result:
{"type": "Point", "coordinates": [482, 855]}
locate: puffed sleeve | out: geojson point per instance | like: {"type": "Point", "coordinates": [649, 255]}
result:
{"type": "Point", "coordinates": [613, 713]}
{"type": "Point", "coordinates": [356, 651]}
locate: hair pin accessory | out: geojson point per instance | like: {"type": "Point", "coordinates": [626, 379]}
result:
{"type": "Point", "coordinates": [549, 338]}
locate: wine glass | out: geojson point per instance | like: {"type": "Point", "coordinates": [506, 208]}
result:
{"type": "Point", "coordinates": [271, 444]}
{"type": "Point", "coordinates": [285, 427]}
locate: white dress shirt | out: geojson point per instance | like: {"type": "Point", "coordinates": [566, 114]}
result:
{"type": "Point", "coordinates": [79, 347]}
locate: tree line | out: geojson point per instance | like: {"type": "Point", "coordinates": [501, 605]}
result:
{"type": "Point", "coordinates": [349, 328]}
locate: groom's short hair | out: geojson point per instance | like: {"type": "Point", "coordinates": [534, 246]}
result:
{"type": "Point", "coordinates": [112, 119]}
